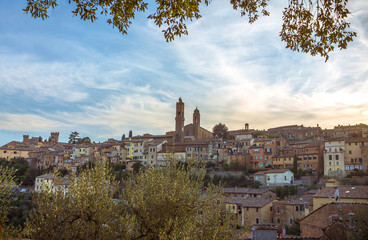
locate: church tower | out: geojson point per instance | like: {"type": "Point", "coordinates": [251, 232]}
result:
{"type": "Point", "coordinates": [179, 122]}
{"type": "Point", "coordinates": [196, 123]}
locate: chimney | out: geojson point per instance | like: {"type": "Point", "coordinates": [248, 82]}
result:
{"type": "Point", "coordinates": [351, 222]}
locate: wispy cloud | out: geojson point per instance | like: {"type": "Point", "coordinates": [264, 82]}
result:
{"type": "Point", "coordinates": [93, 80]}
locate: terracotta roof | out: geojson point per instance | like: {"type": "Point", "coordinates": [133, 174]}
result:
{"type": "Point", "coordinates": [249, 201]}
{"type": "Point", "coordinates": [301, 200]}
{"type": "Point", "coordinates": [272, 171]}
{"type": "Point", "coordinates": [47, 176]}
{"type": "Point", "coordinates": [346, 207]}
{"type": "Point", "coordinates": [245, 190]}
{"type": "Point", "coordinates": [359, 139]}
{"type": "Point", "coordinates": [345, 192]}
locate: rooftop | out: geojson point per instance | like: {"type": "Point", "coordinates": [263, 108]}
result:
{"type": "Point", "coordinates": [344, 192]}
{"type": "Point", "coordinates": [249, 201]}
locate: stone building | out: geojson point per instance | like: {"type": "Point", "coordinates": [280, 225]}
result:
{"type": "Point", "coordinates": [192, 130]}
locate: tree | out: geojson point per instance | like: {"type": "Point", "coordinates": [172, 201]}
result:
{"type": "Point", "coordinates": [168, 203]}
{"type": "Point", "coordinates": [220, 131]}
{"type": "Point", "coordinates": [137, 167]}
{"type": "Point", "coordinates": [7, 182]}
{"type": "Point", "coordinates": [311, 26]}
{"type": "Point", "coordinates": [87, 211]}
{"type": "Point", "coordinates": [84, 140]}
{"type": "Point", "coordinates": [159, 203]}
{"type": "Point", "coordinates": [73, 137]}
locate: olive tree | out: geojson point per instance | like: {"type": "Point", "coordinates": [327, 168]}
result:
{"type": "Point", "coordinates": [156, 203]}
{"type": "Point", "coordinates": [7, 182]}
{"type": "Point", "coordinates": [311, 26]}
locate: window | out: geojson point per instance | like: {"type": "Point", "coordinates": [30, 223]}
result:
{"type": "Point", "coordinates": [256, 209]}
{"type": "Point", "coordinates": [247, 208]}
{"type": "Point", "coordinates": [278, 211]}
{"type": "Point", "coordinates": [297, 208]}
{"type": "Point", "coordinates": [301, 208]}
{"type": "Point", "coordinates": [349, 151]}
{"type": "Point", "coordinates": [270, 209]}
{"type": "Point", "coordinates": [291, 221]}
{"type": "Point", "coordinates": [337, 157]}
{"type": "Point", "coordinates": [278, 220]}
{"type": "Point", "coordinates": [329, 157]}
{"type": "Point", "coordinates": [257, 220]}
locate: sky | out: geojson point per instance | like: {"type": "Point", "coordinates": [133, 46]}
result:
{"type": "Point", "coordinates": [64, 74]}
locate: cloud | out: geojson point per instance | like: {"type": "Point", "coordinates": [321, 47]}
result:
{"type": "Point", "coordinates": [232, 71]}
{"type": "Point", "coordinates": [28, 122]}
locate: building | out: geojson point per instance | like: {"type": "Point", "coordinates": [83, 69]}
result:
{"type": "Point", "coordinates": [250, 211]}
{"type": "Point", "coordinates": [286, 212]}
{"type": "Point", "coordinates": [46, 182]}
{"type": "Point", "coordinates": [249, 192]}
{"type": "Point", "coordinates": [356, 194]}
{"type": "Point", "coordinates": [274, 177]}
{"type": "Point", "coordinates": [283, 162]}
{"type": "Point", "coordinates": [193, 130]}
{"type": "Point", "coordinates": [316, 223]}
{"type": "Point", "coordinates": [16, 152]}
{"type": "Point", "coordinates": [354, 150]}
{"type": "Point", "coordinates": [334, 155]}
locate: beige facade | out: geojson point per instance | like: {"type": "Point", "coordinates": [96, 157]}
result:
{"type": "Point", "coordinates": [334, 155]}
{"type": "Point", "coordinates": [283, 161]}
{"type": "Point", "coordinates": [10, 153]}
{"type": "Point", "coordinates": [257, 215]}
{"type": "Point", "coordinates": [354, 154]}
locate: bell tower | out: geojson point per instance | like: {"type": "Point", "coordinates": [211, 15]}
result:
{"type": "Point", "coordinates": [179, 122]}
{"type": "Point", "coordinates": [196, 123]}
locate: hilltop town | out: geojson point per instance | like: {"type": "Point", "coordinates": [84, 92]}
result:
{"type": "Point", "coordinates": [291, 174]}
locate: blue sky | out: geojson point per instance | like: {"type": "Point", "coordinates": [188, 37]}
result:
{"type": "Point", "coordinates": [64, 74]}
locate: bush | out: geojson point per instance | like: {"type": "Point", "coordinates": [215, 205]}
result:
{"type": "Point", "coordinates": [286, 191]}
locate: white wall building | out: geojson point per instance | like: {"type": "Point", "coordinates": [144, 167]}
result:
{"type": "Point", "coordinates": [275, 177]}
{"type": "Point", "coordinates": [334, 158]}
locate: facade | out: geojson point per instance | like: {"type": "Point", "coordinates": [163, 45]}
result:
{"type": "Point", "coordinates": [334, 155]}
{"type": "Point", "coordinates": [45, 182]}
{"type": "Point", "coordinates": [283, 162]}
{"type": "Point", "coordinates": [257, 158]}
{"type": "Point", "coordinates": [274, 177]}
{"type": "Point", "coordinates": [10, 153]}
{"type": "Point", "coordinates": [250, 211]}
{"type": "Point", "coordinates": [199, 150]}
{"type": "Point", "coordinates": [354, 154]}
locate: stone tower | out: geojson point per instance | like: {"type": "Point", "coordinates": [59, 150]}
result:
{"type": "Point", "coordinates": [196, 123]}
{"type": "Point", "coordinates": [26, 139]}
{"type": "Point", "coordinates": [54, 139]}
{"type": "Point", "coordinates": [179, 122]}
